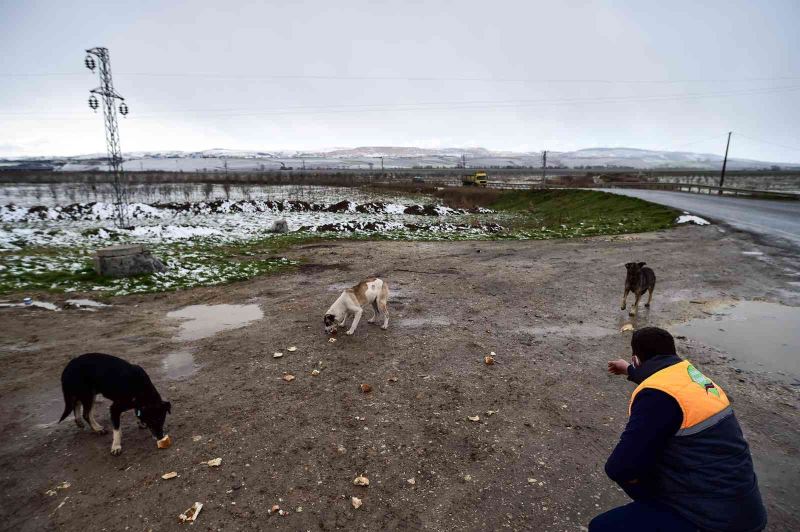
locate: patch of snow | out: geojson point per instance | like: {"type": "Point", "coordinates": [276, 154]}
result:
{"type": "Point", "coordinates": [40, 304]}
{"type": "Point", "coordinates": [395, 208]}
{"type": "Point", "coordinates": [85, 303]}
{"type": "Point", "coordinates": [174, 232]}
{"type": "Point", "coordinates": [691, 219]}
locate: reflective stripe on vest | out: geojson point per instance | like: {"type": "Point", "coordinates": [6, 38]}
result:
{"type": "Point", "coordinates": [702, 402]}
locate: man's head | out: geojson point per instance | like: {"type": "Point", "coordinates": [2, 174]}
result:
{"type": "Point", "coordinates": [648, 342]}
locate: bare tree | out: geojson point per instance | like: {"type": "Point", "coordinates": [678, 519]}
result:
{"type": "Point", "coordinates": [245, 191]}
{"type": "Point", "coordinates": [208, 189]}
{"type": "Point", "coordinates": [54, 192]}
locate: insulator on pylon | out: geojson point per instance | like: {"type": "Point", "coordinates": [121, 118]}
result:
{"type": "Point", "coordinates": [89, 62]}
{"type": "Point", "coordinates": [93, 103]}
{"type": "Point", "coordinates": [123, 109]}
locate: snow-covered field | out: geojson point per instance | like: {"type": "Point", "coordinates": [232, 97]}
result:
{"type": "Point", "coordinates": [192, 229]}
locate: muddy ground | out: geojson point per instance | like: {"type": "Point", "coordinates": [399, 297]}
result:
{"type": "Point", "coordinates": [550, 311]}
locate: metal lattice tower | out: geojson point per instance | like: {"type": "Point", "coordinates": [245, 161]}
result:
{"type": "Point", "coordinates": [110, 96]}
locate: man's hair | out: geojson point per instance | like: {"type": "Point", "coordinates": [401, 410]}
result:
{"type": "Point", "coordinates": [648, 342]}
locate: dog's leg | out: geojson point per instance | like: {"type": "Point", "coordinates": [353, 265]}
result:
{"type": "Point", "coordinates": [385, 311]}
{"type": "Point", "coordinates": [649, 297]}
{"type": "Point", "coordinates": [635, 304]}
{"type": "Point", "coordinates": [116, 443]}
{"type": "Point", "coordinates": [375, 311]}
{"type": "Point", "coordinates": [353, 326]}
{"type": "Point", "coordinates": [383, 304]}
{"type": "Point", "coordinates": [96, 427]}
{"type": "Point", "coordinates": [625, 298]}
{"type": "Point", "coordinates": [76, 411]}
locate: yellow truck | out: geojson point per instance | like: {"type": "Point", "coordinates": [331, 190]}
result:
{"type": "Point", "coordinates": [478, 179]}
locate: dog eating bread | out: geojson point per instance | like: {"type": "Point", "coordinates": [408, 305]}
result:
{"type": "Point", "coordinates": [128, 387]}
{"type": "Point", "coordinates": [372, 291]}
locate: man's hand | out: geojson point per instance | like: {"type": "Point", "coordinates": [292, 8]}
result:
{"type": "Point", "coordinates": [618, 367]}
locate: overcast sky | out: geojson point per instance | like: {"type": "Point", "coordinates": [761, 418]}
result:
{"type": "Point", "coordinates": [520, 75]}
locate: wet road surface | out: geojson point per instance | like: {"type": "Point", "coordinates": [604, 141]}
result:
{"type": "Point", "coordinates": [770, 218]}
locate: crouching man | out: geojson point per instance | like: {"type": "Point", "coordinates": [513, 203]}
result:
{"type": "Point", "coordinates": [682, 457]}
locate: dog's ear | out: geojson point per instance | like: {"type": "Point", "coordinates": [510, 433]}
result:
{"type": "Point", "coordinates": [628, 265]}
{"type": "Point", "coordinates": [168, 406]}
{"type": "Point", "coordinates": [642, 264]}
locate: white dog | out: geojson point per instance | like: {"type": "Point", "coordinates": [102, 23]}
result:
{"type": "Point", "coordinates": [373, 291]}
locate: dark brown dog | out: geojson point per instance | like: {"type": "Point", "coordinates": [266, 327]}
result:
{"type": "Point", "coordinates": [639, 280]}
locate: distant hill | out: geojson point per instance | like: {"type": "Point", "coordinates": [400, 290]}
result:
{"type": "Point", "coordinates": [394, 157]}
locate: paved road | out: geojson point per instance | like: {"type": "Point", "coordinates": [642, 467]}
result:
{"type": "Point", "coordinates": [775, 219]}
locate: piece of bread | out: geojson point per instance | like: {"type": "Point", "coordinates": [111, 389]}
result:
{"type": "Point", "coordinates": [165, 442]}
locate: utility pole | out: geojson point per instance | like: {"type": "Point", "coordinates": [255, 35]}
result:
{"type": "Point", "coordinates": [110, 96]}
{"type": "Point", "coordinates": [724, 164]}
{"type": "Point", "coordinates": [381, 163]}
{"type": "Point", "coordinates": [544, 167]}
{"type": "Point", "coordinates": [304, 164]}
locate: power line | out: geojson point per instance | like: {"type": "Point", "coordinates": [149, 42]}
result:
{"type": "Point", "coordinates": [444, 105]}
{"type": "Point", "coordinates": [768, 142]}
{"type": "Point", "coordinates": [221, 76]}
{"type": "Point", "coordinates": [698, 141]}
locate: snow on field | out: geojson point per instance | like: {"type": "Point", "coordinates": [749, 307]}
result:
{"type": "Point", "coordinates": [691, 219]}
{"type": "Point", "coordinates": [49, 245]}
{"type": "Point", "coordinates": [223, 220]}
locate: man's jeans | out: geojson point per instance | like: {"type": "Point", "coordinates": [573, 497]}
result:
{"type": "Point", "coordinates": [641, 516]}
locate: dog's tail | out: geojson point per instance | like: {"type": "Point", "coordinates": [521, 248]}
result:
{"type": "Point", "coordinates": [69, 406]}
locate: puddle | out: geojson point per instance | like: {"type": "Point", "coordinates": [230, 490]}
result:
{"type": "Point", "coordinates": [426, 321]}
{"type": "Point", "coordinates": [760, 336]}
{"type": "Point", "coordinates": [86, 304]}
{"type": "Point", "coordinates": [40, 304]}
{"type": "Point", "coordinates": [202, 321]}
{"type": "Point", "coordinates": [577, 330]}
{"type": "Point", "coordinates": [752, 253]}
{"type": "Point", "coordinates": [179, 364]}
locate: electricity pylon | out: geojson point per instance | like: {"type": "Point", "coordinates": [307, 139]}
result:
{"type": "Point", "coordinates": [110, 96]}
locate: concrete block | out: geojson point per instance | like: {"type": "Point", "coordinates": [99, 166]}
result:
{"type": "Point", "coordinates": [125, 261]}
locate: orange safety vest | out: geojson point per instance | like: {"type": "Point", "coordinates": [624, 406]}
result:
{"type": "Point", "coordinates": [702, 402]}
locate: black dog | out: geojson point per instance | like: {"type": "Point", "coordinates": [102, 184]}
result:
{"type": "Point", "coordinates": [639, 280]}
{"type": "Point", "coordinates": [126, 385]}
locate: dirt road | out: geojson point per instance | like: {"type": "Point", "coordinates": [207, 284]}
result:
{"type": "Point", "coordinates": [550, 311]}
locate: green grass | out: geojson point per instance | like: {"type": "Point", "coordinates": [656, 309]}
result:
{"type": "Point", "coordinates": [38, 270]}
{"type": "Point", "coordinates": [606, 213]}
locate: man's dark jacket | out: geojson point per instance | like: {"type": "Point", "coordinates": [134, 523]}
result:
{"type": "Point", "coordinates": [707, 477]}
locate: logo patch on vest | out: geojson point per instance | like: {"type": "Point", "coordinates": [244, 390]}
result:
{"type": "Point", "coordinates": [702, 380]}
